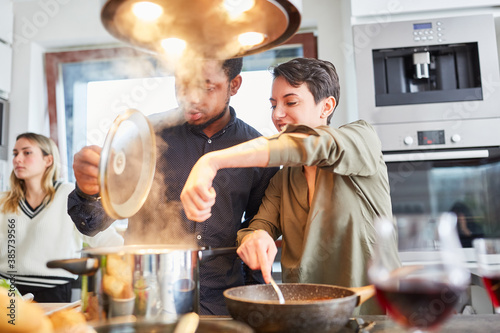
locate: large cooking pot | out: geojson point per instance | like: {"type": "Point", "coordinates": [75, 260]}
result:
{"type": "Point", "coordinates": [307, 308]}
{"type": "Point", "coordinates": [148, 281]}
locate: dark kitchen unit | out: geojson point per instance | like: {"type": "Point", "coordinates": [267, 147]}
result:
{"type": "Point", "coordinates": [4, 121]}
{"type": "Point", "coordinates": [466, 181]}
{"type": "Point", "coordinates": [429, 88]}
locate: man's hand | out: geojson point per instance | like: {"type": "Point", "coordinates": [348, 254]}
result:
{"type": "Point", "coordinates": [198, 195]}
{"type": "Point", "coordinates": [258, 251]}
{"type": "Point", "coordinates": [86, 169]}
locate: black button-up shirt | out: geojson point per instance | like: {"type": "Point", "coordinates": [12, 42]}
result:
{"type": "Point", "coordinates": [161, 220]}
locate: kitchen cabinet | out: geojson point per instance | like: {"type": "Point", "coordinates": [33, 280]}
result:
{"type": "Point", "coordinates": [5, 69]}
{"type": "Point", "coordinates": [382, 8]}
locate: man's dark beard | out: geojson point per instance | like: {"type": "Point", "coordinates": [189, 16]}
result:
{"type": "Point", "coordinates": [201, 127]}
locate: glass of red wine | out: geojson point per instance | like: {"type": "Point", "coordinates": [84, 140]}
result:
{"type": "Point", "coordinates": [432, 281]}
{"type": "Point", "coordinates": [488, 263]}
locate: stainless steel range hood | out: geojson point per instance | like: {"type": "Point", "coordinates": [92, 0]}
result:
{"type": "Point", "coordinates": [210, 28]}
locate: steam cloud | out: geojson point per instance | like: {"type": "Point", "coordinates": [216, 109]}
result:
{"type": "Point", "coordinates": [159, 220]}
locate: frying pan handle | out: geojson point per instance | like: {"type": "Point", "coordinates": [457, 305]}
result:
{"type": "Point", "coordinates": [209, 251]}
{"type": "Point", "coordinates": [364, 293]}
{"type": "Point", "coordinates": [80, 266]}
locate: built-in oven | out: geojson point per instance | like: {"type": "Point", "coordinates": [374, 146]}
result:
{"type": "Point", "coordinates": [431, 90]}
{"type": "Point", "coordinates": [466, 182]}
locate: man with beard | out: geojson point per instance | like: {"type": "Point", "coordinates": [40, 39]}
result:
{"type": "Point", "coordinates": [208, 124]}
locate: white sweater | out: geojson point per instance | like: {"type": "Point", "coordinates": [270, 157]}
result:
{"type": "Point", "coordinates": [48, 233]}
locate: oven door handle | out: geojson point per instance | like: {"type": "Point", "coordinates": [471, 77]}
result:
{"type": "Point", "coordinates": [440, 155]}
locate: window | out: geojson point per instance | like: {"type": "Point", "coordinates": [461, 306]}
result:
{"type": "Point", "coordinates": [87, 89]}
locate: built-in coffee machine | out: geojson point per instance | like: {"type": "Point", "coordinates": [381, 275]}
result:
{"type": "Point", "coordinates": [427, 74]}
{"type": "Point", "coordinates": [431, 89]}
{"type": "Point", "coordinates": [430, 84]}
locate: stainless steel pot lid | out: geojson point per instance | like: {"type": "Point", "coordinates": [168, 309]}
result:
{"type": "Point", "coordinates": [127, 164]}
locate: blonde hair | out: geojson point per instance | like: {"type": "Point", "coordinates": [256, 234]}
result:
{"type": "Point", "coordinates": [10, 202]}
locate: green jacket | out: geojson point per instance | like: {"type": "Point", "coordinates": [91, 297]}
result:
{"type": "Point", "coordinates": [331, 241]}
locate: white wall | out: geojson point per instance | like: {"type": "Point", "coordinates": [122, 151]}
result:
{"type": "Point", "coordinates": [331, 20]}
{"type": "Point", "coordinates": [42, 26]}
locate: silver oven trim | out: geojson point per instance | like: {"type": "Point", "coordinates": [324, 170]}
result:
{"type": "Point", "coordinates": [464, 135]}
{"type": "Point", "coordinates": [440, 155]}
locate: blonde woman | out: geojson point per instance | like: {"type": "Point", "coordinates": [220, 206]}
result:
{"type": "Point", "coordinates": [35, 226]}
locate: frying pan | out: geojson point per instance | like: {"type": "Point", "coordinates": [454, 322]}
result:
{"type": "Point", "coordinates": [307, 308]}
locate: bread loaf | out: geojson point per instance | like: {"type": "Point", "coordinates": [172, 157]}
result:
{"type": "Point", "coordinates": [20, 316]}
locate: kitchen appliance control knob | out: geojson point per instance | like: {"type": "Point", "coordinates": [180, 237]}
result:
{"type": "Point", "coordinates": [455, 138]}
{"type": "Point", "coordinates": [408, 140]}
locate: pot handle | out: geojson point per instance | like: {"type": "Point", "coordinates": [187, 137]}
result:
{"type": "Point", "coordinates": [209, 251]}
{"type": "Point", "coordinates": [364, 293]}
{"type": "Point", "coordinates": [80, 266]}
